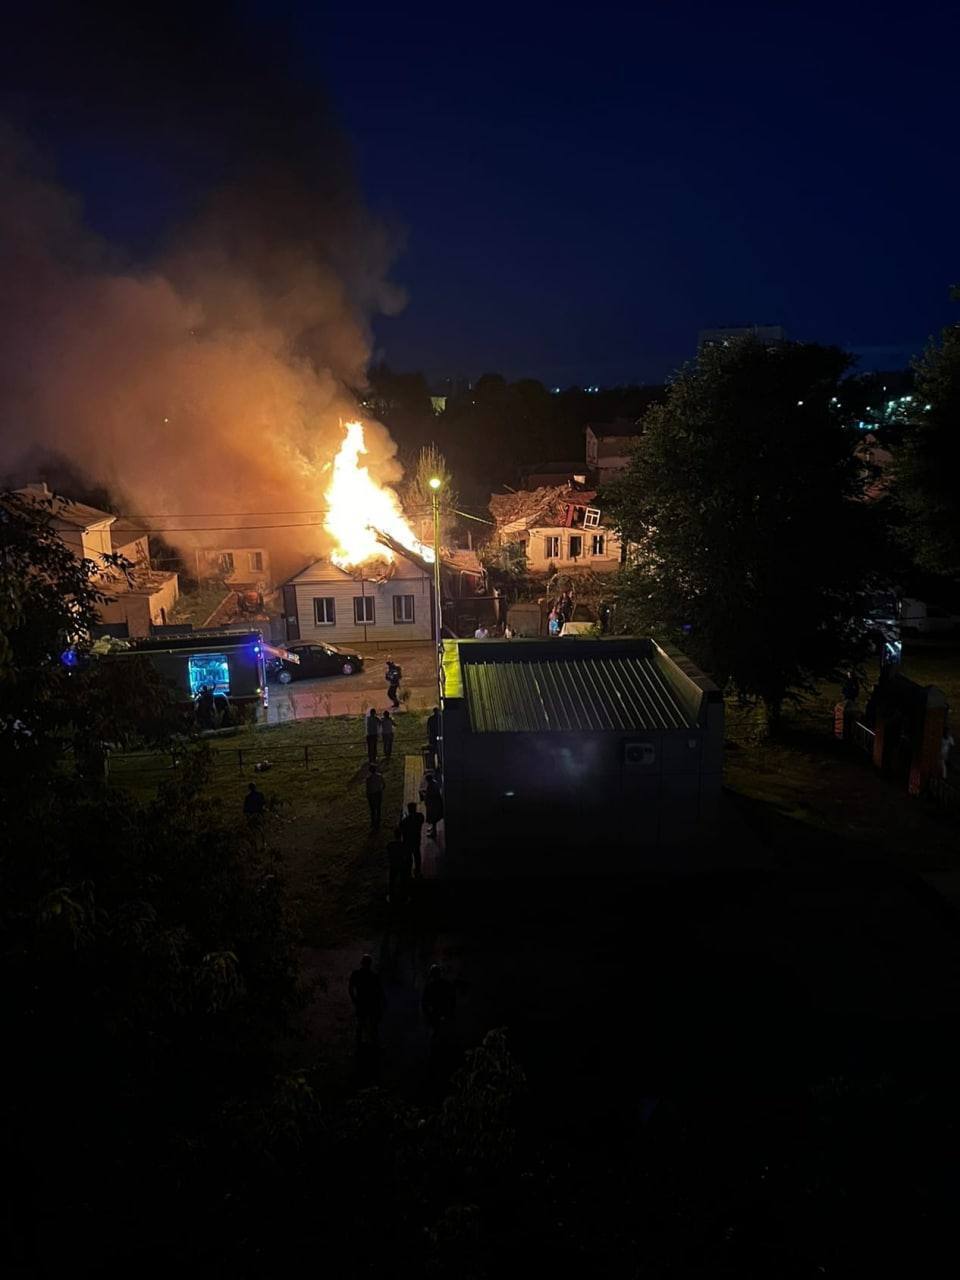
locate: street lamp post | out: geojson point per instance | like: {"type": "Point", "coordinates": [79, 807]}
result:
{"type": "Point", "coordinates": [435, 484]}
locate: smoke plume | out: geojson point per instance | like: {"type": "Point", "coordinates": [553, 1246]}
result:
{"type": "Point", "coordinates": [200, 357]}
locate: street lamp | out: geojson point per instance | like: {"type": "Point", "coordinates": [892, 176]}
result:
{"type": "Point", "coordinates": [435, 485]}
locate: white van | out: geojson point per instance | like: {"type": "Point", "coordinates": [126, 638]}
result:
{"type": "Point", "coordinates": [926, 619]}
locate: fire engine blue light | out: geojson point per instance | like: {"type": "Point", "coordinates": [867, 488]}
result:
{"type": "Point", "coordinates": [69, 658]}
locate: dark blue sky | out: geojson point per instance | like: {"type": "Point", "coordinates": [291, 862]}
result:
{"type": "Point", "coordinates": [581, 191]}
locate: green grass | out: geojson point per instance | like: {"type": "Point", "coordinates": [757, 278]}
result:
{"type": "Point", "coordinates": [335, 869]}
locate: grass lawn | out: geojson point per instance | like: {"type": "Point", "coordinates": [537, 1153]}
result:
{"type": "Point", "coordinates": [335, 868]}
{"type": "Point", "coordinates": [806, 774]}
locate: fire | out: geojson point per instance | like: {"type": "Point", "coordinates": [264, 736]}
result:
{"type": "Point", "coordinates": [358, 508]}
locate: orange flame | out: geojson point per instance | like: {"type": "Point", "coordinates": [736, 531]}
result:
{"type": "Point", "coordinates": [358, 508]}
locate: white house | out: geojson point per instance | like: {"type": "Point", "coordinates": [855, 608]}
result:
{"type": "Point", "coordinates": [382, 605]}
{"type": "Point", "coordinates": [140, 597]}
{"type": "Point", "coordinates": [560, 528]}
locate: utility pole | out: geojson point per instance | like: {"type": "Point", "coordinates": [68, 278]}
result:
{"type": "Point", "coordinates": [435, 484]}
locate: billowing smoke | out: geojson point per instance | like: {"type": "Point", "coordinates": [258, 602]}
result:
{"type": "Point", "coordinates": [200, 357]}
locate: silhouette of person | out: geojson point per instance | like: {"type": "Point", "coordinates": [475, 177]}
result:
{"type": "Point", "coordinates": [254, 803]}
{"type": "Point", "coordinates": [410, 831]}
{"type": "Point", "coordinates": [366, 995]}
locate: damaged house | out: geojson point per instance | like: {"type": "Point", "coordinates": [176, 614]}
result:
{"type": "Point", "coordinates": [382, 603]}
{"type": "Point", "coordinates": [139, 597]}
{"type": "Point", "coordinates": [560, 527]}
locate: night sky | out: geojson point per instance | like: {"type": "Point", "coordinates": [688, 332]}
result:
{"type": "Point", "coordinates": [575, 194]}
{"type": "Point", "coordinates": [584, 190]}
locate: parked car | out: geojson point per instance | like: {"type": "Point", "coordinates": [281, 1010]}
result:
{"type": "Point", "coordinates": [315, 660]}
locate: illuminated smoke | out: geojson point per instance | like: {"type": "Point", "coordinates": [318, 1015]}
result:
{"type": "Point", "coordinates": [211, 371]}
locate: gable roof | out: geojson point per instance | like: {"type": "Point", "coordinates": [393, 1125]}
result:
{"type": "Point", "coordinates": [528, 508]}
{"type": "Point", "coordinates": [375, 571]}
{"type": "Point", "coordinates": [77, 514]}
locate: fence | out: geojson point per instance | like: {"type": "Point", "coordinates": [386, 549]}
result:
{"type": "Point", "coordinates": [863, 738]}
{"type": "Point", "coordinates": [945, 793]}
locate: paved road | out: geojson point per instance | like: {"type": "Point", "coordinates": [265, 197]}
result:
{"type": "Point", "coordinates": [352, 695]}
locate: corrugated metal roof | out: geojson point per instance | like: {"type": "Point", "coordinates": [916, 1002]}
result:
{"type": "Point", "coordinates": [566, 695]}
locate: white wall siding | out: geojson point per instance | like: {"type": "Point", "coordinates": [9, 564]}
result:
{"type": "Point", "coordinates": [383, 629]}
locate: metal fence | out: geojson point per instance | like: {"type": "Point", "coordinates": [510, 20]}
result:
{"type": "Point", "coordinates": [863, 738]}
{"type": "Point", "coordinates": [946, 794]}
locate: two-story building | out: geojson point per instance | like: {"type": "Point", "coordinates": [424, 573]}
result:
{"type": "Point", "coordinates": [559, 528]}
{"type": "Point", "coordinates": [138, 596]}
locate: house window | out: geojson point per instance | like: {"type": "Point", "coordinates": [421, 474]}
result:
{"type": "Point", "coordinates": [324, 611]}
{"type": "Point", "coordinates": [551, 547]}
{"type": "Point", "coordinates": [225, 559]}
{"type": "Point", "coordinates": [403, 608]}
{"type": "Point", "coordinates": [256, 561]}
{"type": "Point", "coordinates": [598, 546]}
{"type": "Point", "coordinates": [576, 546]}
{"type": "Point", "coordinates": [363, 613]}
{"type": "Point", "coordinates": [591, 518]}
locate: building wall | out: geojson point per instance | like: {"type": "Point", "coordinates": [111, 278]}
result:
{"type": "Point", "coordinates": [538, 560]}
{"type": "Point", "coordinates": [141, 609]}
{"type": "Point", "coordinates": [245, 564]}
{"type": "Point", "coordinates": [383, 630]}
{"type": "Point", "coordinates": [136, 550]}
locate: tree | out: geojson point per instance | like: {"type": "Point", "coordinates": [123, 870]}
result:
{"type": "Point", "coordinates": [927, 465]}
{"type": "Point", "coordinates": [740, 505]}
{"type": "Point", "coordinates": [418, 494]}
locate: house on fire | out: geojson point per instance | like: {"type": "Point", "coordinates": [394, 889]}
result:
{"type": "Point", "coordinates": [138, 597]}
{"type": "Point", "coordinates": [561, 527]}
{"type": "Point", "coordinates": [380, 604]}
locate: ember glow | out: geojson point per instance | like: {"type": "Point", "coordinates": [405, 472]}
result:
{"type": "Point", "coordinates": [358, 508]}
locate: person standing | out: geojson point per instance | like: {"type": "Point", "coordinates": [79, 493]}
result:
{"type": "Point", "coordinates": [371, 725]}
{"type": "Point", "coordinates": [481, 633]}
{"type": "Point", "coordinates": [367, 998]}
{"type": "Point", "coordinates": [398, 856]}
{"type": "Point", "coordinates": [375, 788]}
{"type": "Point", "coordinates": [946, 746]}
{"type": "Point", "coordinates": [392, 675]}
{"type": "Point", "coordinates": [433, 735]}
{"type": "Point", "coordinates": [433, 803]}
{"type": "Point", "coordinates": [439, 1001]}
{"type": "Point", "coordinates": [386, 732]}
{"type": "Point", "coordinates": [410, 831]}
{"type": "Point", "coordinates": [254, 803]}
{"type": "Point", "coordinates": [206, 708]}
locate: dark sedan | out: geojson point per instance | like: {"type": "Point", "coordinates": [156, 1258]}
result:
{"type": "Point", "coordinates": [315, 660]}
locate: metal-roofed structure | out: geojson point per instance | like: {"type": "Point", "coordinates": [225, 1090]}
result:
{"type": "Point", "coordinates": [584, 747]}
{"type": "Point", "coordinates": [562, 695]}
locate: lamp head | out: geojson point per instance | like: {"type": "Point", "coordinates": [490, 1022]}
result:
{"type": "Point", "coordinates": [435, 482]}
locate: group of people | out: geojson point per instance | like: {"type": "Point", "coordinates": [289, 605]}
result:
{"type": "Point", "coordinates": [379, 727]}
{"type": "Point", "coordinates": [213, 709]}
{"type": "Point", "coordinates": [438, 1002]}
{"type": "Point", "coordinates": [502, 631]}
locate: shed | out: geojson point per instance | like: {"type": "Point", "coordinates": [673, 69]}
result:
{"type": "Point", "coordinates": [586, 745]}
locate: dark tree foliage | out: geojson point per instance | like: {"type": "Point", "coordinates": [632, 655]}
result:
{"type": "Point", "coordinates": [928, 463]}
{"type": "Point", "coordinates": [148, 961]}
{"type": "Point", "coordinates": [750, 546]}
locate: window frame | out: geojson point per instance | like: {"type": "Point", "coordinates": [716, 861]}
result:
{"type": "Point", "coordinates": [326, 622]}
{"type": "Point", "coordinates": [399, 609]}
{"type": "Point", "coordinates": [571, 554]}
{"type": "Point", "coordinates": [602, 539]}
{"type": "Point", "coordinates": [359, 621]}
{"type": "Point", "coordinates": [226, 562]}
{"type": "Point", "coordinates": [551, 546]}
{"type": "Point", "coordinates": [255, 561]}
{"type": "Point", "coordinates": [591, 518]}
